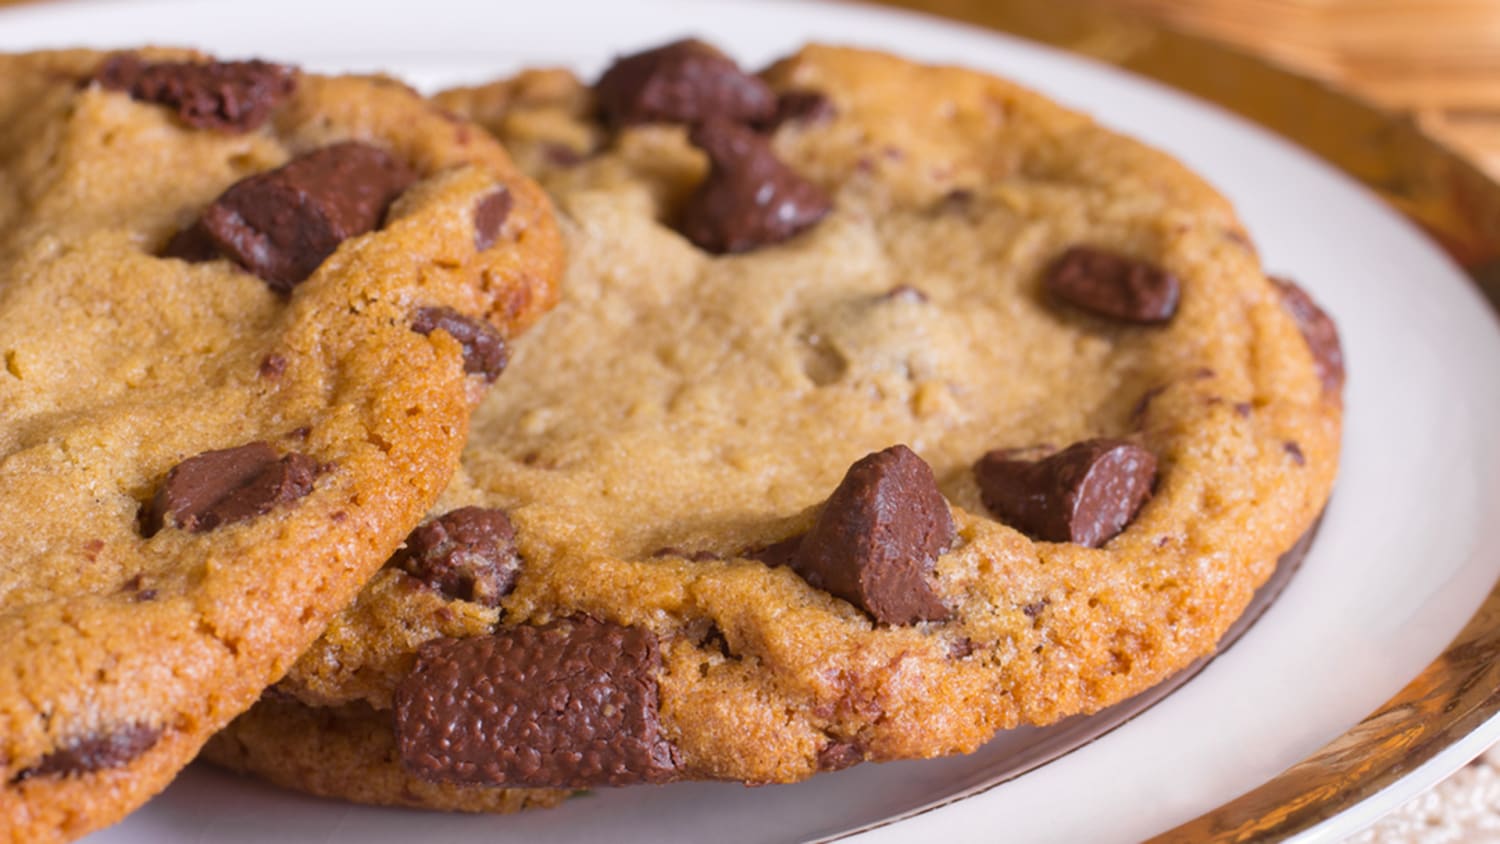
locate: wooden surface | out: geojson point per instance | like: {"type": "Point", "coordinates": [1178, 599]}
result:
{"type": "Point", "coordinates": [1438, 60]}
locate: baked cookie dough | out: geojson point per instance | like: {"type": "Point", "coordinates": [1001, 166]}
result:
{"type": "Point", "coordinates": [245, 314]}
{"type": "Point", "coordinates": [887, 406]}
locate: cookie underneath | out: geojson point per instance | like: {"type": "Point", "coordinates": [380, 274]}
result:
{"type": "Point", "coordinates": [875, 428]}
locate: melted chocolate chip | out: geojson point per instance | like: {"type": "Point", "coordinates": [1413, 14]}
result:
{"type": "Point", "coordinates": [469, 554]}
{"type": "Point", "coordinates": [876, 541]}
{"type": "Point", "coordinates": [227, 96]}
{"type": "Point", "coordinates": [683, 82]}
{"type": "Point", "coordinates": [95, 753]}
{"type": "Point", "coordinates": [1320, 332]}
{"type": "Point", "coordinates": [1113, 285]}
{"type": "Point", "coordinates": [489, 216]}
{"type": "Point", "coordinates": [1084, 494]}
{"type": "Point", "coordinates": [750, 199]}
{"type": "Point", "coordinates": [231, 485]}
{"type": "Point", "coordinates": [838, 755]}
{"type": "Point", "coordinates": [485, 351]}
{"type": "Point", "coordinates": [282, 224]}
{"type": "Point", "coordinates": [571, 704]}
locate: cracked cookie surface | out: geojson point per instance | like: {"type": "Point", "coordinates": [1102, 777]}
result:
{"type": "Point", "coordinates": [667, 436]}
{"type": "Point", "coordinates": [202, 458]}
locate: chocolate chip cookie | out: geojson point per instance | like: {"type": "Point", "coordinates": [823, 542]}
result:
{"type": "Point", "coordinates": [887, 406]}
{"type": "Point", "coordinates": [245, 314]}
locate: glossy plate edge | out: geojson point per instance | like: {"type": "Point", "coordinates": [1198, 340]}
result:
{"type": "Point", "coordinates": [1459, 206]}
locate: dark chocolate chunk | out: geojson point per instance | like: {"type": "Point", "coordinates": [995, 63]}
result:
{"type": "Point", "coordinates": [838, 755]}
{"type": "Point", "coordinates": [468, 553]}
{"type": "Point", "coordinates": [750, 198]}
{"type": "Point", "coordinates": [193, 244]}
{"type": "Point", "coordinates": [485, 351]}
{"type": "Point", "coordinates": [571, 704]}
{"type": "Point", "coordinates": [961, 647]}
{"type": "Point", "coordinates": [876, 541]}
{"type": "Point", "coordinates": [228, 96]}
{"type": "Point", "coordinates": [1319, 330]}
{"type": "Point", "coordinates": [1113, 285]}
{"type": "Point", "coordinates": [776, 554]}
{"type": "Point", "coordinates": [683, 82]}
{"type": "Point", "coordinates": [283, 223]}
{"type": "Point", "coordinates": [272, 365]}
{"type": "Point", "coordinates": [799, 106]}
{"type": "Point", "coordinates": [489, 216]}
{"type": "Point", "coordinates": [563, 155]}
{"type": "Point", "coordinates": [231, 485]}
{"type": "Point", "coordinates": [1085, 493]}
{"type": "Point", "coordinates": [95, 753]}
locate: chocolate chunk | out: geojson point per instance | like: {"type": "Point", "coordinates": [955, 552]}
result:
{"type": "Point", "coordinates": [227, 96]}
{"type": "Point", "coordinates": [799, 106]}
{"type": "Point", "coordinates": [838, 755]}
{"type": "Point", "coordinates": [961, 648]}
{"type": "Point", "coordinates": [750, 199]}
{"type": "Point", "coordinates": [562, 155]}
{"type": "Point", "coordinates": [876, 541]}
{"type": "Point", "coordinates": [95, 753]}
{"type": "Point", "coordinates": [485, 352]}
{"type": "Point", "coordinates": [272, 365]}
{"type": "Point", "coordinates": [1319, 330]}
{"type": "Point", "coordinates": [776, 554]}
{"type": "Point", "coordinates": [231, 485]}
{"type": "Point", "coordinates": [489, 216]}
{"type": "Point", "coordinates": [1113, 285]}
{"type": "Point", "coordinates": [193, 244]}
{"type": "Point", "coordinates": [571, 704]}
{"type": "Point", "coordinates": [1085, 493]}
{"type": "Point", "coordinates": [283, 223]}
{"type": "Point", "coordinates": [469, 554]}
{"type": "Point", "coordinates": [683, 82]}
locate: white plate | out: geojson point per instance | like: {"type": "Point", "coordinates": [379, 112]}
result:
{"type": "Point", "coordinates": [1401, 563]}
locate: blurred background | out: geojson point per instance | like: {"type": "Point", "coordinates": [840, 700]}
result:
{"type": "Point", "coordinates": [1438, 60]}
